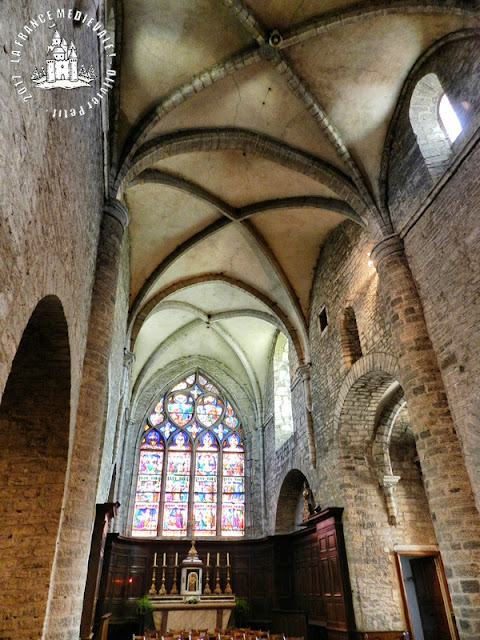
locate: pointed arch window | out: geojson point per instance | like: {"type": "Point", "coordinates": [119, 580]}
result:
{"type": "Point", "coordinates": [191, 469]}
{"type": "Point", "coordinates": [282, 391]}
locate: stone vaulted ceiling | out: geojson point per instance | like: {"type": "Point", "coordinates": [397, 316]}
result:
{"type": "Point", "coordinates": [246, 132]}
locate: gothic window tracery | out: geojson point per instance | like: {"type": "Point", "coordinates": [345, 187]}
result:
{"type": "Point", "coordinates": [191, 471]}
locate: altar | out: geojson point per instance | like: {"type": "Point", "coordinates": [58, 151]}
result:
{"type": "Point", "coordinates": [200, 612]}
{"type": "Point", "coordinates": [196, 606]}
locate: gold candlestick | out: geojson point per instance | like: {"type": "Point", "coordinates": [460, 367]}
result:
{"type": "Point", "coordinates": [228, 588]}
{"type": "Point", "coordinates": [153, 590]}
{"type": "Point", "coordinates": [207, 591]}
{"type": "Point", "coordinates": [217, 589]}
{"type": "Point", "coordinates": [174, 589]}
{"type": "Point", "coordinates": [162, 591]}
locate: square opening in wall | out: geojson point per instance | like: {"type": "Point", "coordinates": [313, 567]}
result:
{"type": "Point", "coordinates": [322, 320]}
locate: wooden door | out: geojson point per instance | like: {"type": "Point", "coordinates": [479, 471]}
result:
{"type": "Point", "coordinates": [429, 596]}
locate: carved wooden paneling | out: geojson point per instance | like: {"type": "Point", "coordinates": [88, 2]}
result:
{"type": "Point", "coordinates": [381, 635]}
{"type": "Point", "coordinates": [304, 573]}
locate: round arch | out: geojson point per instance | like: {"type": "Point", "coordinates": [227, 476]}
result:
{"type": "Point", "coordinates": [34, 448]}
{"type": "Point", "coordinates": [377, 479]}
{"type": "Point", "coordinates": [290, 502]}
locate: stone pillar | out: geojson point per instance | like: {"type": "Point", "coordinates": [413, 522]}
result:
{"type": "Point", "coordinates": [452, 506]}
{"type": "Point", "coordinates": [304, 371]}
{"type": "Point", "coordinates": [73, 543]}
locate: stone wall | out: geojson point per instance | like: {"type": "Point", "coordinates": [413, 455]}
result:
{"type": "Point", "coordinates": [51, 205]}
{"type": "Point", "coordinates": [351, 398]}
{"type": "Point", "coordinates": [443, 251]}
{"type": "Point", "coordinates": [440, 229]}
{"type": "Point", "coordinates": [410, 183]}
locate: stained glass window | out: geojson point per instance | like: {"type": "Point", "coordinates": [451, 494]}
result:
{"type": "Point", "coordinates": [191, 473]}
{"type": "Point", "coordinates": [147, 498]}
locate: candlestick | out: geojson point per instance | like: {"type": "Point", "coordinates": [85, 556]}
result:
{"type": "Point", "coordinates": [217, 589]}
{"type": "Point", "coordinates": [162, 591]}
{"type": "Point", "coordinates": [174, 589]}
{"type": "Point", "coordinates": [207, 591]}
{"type": "Point", "coordinates": [153, 588]}
{"type": "Point", "coordinates": [228, 587]}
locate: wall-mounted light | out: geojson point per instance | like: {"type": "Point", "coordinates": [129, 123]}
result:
{"type": "Point", "coordinates": [370, 261]}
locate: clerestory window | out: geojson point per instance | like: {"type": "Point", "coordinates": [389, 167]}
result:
{"type": "Point", "coordinates": [435, 124]}
{"type": "Point", "coordinates": [191, 466]}
{"type": "Point", "coordinates": [282, 392]}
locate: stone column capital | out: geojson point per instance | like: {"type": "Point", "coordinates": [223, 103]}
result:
{"type": "Point", "coordinates": [117, 210]}
{"type": "Point", "coordinates": [304, 371]}
{"type": "Point", "coordinates": [388, 482]}
{"type": "Point", "coordinates": [387, 246]}
{"type": "Point", "coordinates": [128, 358]}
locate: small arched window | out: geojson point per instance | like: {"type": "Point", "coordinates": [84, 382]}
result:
{"type": "Point", "coordinates": [435, 124]}
{"type": "Point", "coordinates": [191, 468]}
{"type": "Point", "coordinates": [282, 391]}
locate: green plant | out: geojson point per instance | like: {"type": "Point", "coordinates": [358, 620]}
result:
{"type": "Point", "coordinates": [144, 605]}
{"type": "Point", "coordinates": [192, 600]}
{"type": "Point", "coordinates": [241, 611]}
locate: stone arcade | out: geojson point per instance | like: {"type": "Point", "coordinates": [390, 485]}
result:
{"type": "Point", "coordinates": [240, 304]}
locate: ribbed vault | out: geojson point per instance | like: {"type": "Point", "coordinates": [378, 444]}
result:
{"type": "Point", "coordinates": [237, 153]}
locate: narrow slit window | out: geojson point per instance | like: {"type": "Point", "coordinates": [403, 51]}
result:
{"type": "Point", "coordinates": [322, 320]}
